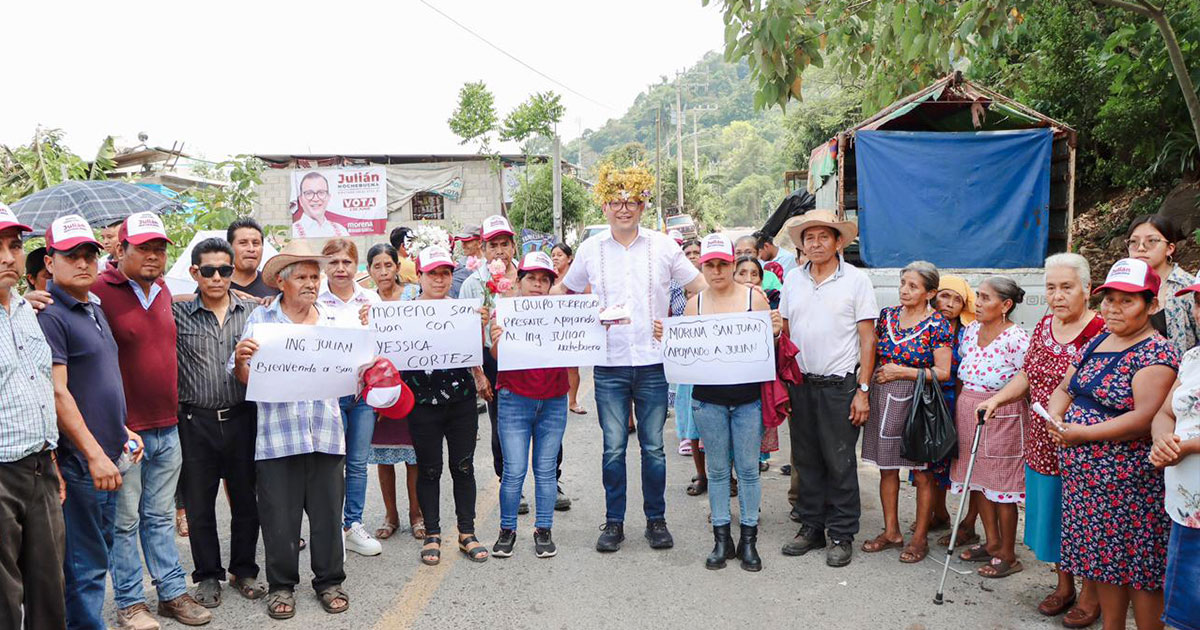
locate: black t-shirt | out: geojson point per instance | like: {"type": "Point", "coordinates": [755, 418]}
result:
{"type": "Point", "coordinates": [258, 288]}
{"type": "Point", "coordinates": [727, 395]}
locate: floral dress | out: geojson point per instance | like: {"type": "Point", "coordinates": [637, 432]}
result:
{"type": "Point", "coordinates": [1114, 528]}
{"type": "Point", "coordinates": [890, 402]}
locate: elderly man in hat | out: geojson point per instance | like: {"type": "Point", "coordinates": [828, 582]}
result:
{"type": "Point", "coordinates": [299, 450]}
{"type": "Point", "coordinates": [829, 310]}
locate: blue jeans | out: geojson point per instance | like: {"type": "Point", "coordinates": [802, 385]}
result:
{"type": "Point", "coordinates": [645, 388]}
{"type": "Point", "coordinates": [731, 433]}
{"type": "Point", "coordinates": [146, 507]}
{"type": "Point", "coordinates": [88, 515]}
{"type": "Point", "coordinates": [521, 420]}
{"type": "Point", "coordinates": [358, 418]}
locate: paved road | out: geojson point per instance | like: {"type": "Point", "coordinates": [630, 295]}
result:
{"type": "Point", "coordinates": [639, 587]}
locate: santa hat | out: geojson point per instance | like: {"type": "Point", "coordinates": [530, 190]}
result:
{"type": "Point", "coordinates": [385, 392]}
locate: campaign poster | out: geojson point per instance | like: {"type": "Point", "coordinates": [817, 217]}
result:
{"type": "Point", "coordinates": [329, 202]}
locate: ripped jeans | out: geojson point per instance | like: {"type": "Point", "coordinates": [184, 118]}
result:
{"type": "Point", "coordinates": [458, 424]}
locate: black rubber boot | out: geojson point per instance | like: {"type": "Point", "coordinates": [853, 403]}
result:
{"type": "Point", "coordinates": [722, 549]}
{"type": "Point", "coordinates": [747, 549]}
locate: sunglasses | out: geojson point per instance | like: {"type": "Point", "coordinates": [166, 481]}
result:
{"type": "Point", "coordinates": [207, 271]}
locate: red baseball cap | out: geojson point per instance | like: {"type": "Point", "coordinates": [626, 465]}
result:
{"type": "Point", "coordinates": [1131, 276]}
{"type": "Point", "coordinates": [68, 232]}
{"type": "Point", "coordinates": [433, 257]}
{"type": "Point", "coordinates": [9, 220]}
{"type": "Point", "coordinates": [494, 226]}
{"type": "Point", "coordinates": [716, 247]}
{"type": "Point", "coordinates": [1195, 288]}
{"type": "Point", "coordinates": [385, 391]}
{"type": "Point", "coordinates": [142, 227]}
{"type": "Point", "coordinates": [537, 261]}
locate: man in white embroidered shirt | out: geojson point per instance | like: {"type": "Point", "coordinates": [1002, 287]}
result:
{"type": "Point", "coordinates": [631, 269]}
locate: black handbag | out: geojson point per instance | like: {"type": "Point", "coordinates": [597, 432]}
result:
{"type": "Point", "coordinates": [929, 433]}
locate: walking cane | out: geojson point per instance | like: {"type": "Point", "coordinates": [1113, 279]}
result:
{"type": "Point", "coordinates": [937, 599]}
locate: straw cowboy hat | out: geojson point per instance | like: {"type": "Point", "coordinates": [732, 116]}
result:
{"type": "Point", "coordinates": [795, 226]}
{"type": "Point", "coordinates": [296, 251]}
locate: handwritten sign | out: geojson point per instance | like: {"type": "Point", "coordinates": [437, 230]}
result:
{"type": "Point", "coordinates": [297, 362]}
{"type": "Point", "coordinates": [724, 349]}
{"type": "Point", "coordinates": [428, 334]}
{"type": "Point", "coordinates": [550, 331]}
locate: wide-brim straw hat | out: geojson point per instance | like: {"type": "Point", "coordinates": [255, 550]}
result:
{"type": "Point", "coordinates": [298, 250]}
{"type": "Point", "coordinates": [795, 226]}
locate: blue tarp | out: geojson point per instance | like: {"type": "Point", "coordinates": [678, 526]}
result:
{"type": "Point", "coordinates": [976, 199]}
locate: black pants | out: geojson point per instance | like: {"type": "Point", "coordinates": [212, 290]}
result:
{"type": "Point", "coordinates": [288, 488]}
{"type": "Point", "coordinates": [823, 457]}
{"type": "Point", "coordinates": [490, 370]}
{"type": "Point", "coordinates": [215, 448]}
{"type": "Point", "coordinates": [457, 424]}
{"type": "Point", "coordinates": [32, 539]}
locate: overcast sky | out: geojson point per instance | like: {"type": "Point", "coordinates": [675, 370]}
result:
{"type": "Point", "coordinates": [254, 76]}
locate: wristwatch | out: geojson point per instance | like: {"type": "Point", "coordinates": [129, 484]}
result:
{"type": "Point", "coordinates": [864, 387]}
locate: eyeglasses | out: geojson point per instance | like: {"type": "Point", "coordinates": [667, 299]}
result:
{"type": "Point", "coordinates": [621, 205]}
{"type": "Point", "coordinates": [1144, 243]}
{"type": "Point", "coordinates": [309, 195]}
{"type": "Point", "coordinates": [207, 271]}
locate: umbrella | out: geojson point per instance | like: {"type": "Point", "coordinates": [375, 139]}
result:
{"type": "Point", "coordinates": [99, 202]}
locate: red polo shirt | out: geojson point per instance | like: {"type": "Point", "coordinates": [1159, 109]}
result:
{"type": "Point", "coordinates": [146, 350]}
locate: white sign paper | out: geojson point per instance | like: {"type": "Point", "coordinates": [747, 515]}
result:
{"type": "Point", "coordinates": [300, 362]}
{"type": "Point", "coordinates": [550, 331]}
{"type": "Point", "coordinates": [724, 349]}
{"type": "Point", "coordinates": [428, 334]}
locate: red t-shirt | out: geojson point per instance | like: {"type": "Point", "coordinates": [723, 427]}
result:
{"type": "Point", "coordinates": [539, 384]}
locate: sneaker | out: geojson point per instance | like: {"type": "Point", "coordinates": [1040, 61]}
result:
{"type": "Point", "coordinates": [659, 537]}
{"type": "Point", "coordinates": [807, 539]}
{"type": "Point", "coordinates": [838, 554]}
{"type": "Point", "coordinates": [543, 544]}
{"type": "Point", "coordinates": [137, 617]}
{"type": "Point", "coordinates": [612, 534]}
{"type": "Point", "coordinates": [562, 502]}
{"type": "Point", "coordinates": [505, 543]}
{"type": "Point", "coordinates": [357, 539]}
{"type": "Point", "coordinates": [523, 506]}
{"type": "Point", "coordinates": [185, 610]}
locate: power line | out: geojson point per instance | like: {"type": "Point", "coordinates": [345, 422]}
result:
{"type": "Point", "coordinates": [514, 58]}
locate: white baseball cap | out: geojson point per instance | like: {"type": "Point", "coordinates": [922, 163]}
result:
{"type": "Point", "coordinates": [433, 257]}
{"type": "Point", "coordinates": [716, 246]}
{"type": "Point", "coordinates": [141, 227]}
{"type": "Point", "coordinates": [68, 232]}
{"type": "Point", "coordinates": [537, 261]}
{"type": "Point", "coordinates": [1131, 276]}
{"type": "Point", "coordinates": [494, 226]}
{"type": "Point", "coordinates": [8, 220]}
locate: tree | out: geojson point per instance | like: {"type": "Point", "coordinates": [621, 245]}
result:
{"type": "Point", "coordinates": [474, 120]}
{"type": "Point", "coordinates": [47, 162]}
{"type": "Point", "coordinates": [533, 202]}
{"type": "Point", "coordinates": [215, 207]}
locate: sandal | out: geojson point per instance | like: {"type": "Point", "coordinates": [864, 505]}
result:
{"type": "Point", "coordinates": [970, 538]}
{"type": "Point", "coordinates": [432, 556]}
{"type": "Point", "coordinates": [881, 543]}
{"type": "Point", "coordinates": [277, 601]}
{"type": "Point", "coordinates": [208, 593]}
{"type": "Point", "coordinates": [998, 568]}
{"type": "Point", "coordinates": [330, 595]}
{"type": "Point", "coordinates": [913, 555]}
{"type": "Point", "coordinates": [386, 530]}
{"type": "Point", "coordinates": [697, 487]}
{"type": "Point", "coordinates": [578, 409]}
{"type": "Point", "coordinates": [732, 487]}
{"type": "Point", "coordinates": [418, 528]}
{"type": "Point", "coordinates": [976, 553]}
{"type": "Point", "coordinates": [181, 525]}
{"type": "Point", "coordinates": [1079, 618]}
{"type": "Point", "coordinates": [474, 552]}
{"type": "Point", "coordinates": [247, 587]}
{"type": "Point", "coordinates": [1055, 604]}
{"type": "Point", "coordinates": [685, 447]}
{"type": "Point", "coordinates": [936, 525]}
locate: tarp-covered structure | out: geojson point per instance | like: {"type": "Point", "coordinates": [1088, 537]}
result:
{"type": "Point", "coordinates": [955, 174]}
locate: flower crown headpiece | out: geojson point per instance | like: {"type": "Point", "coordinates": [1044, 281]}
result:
{"type": "Point", "coordinates": [632, 183]}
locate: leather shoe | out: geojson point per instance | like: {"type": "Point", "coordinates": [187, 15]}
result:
{"type": "Point", "coordinates": [839, 553]}
{"type": "Point", "coordinates": [1055, 604]}
{"type": "Point", "coordinates": [185, 610]}
{"type": "Point", "coordinates": [807, 539]}
{"type": "Point", "coordinates": [1079, 618]}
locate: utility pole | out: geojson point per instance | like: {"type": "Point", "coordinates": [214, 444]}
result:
{"type": "Point", "coordinates": [558, 218]}
{"type": "Point", "coordinates": [658, 165]}
{"type": "Point", "coordinates": [679, 143]}
{"type": "Point", "coordinates": [695, 144]}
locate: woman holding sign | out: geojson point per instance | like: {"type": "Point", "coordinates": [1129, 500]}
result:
{"type": "Point", "coordinates": [532, 411]}
{"type": "Point", "coordinates": [729, 417]}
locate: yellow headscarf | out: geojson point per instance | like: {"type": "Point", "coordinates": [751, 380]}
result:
{"type": "Point", "coordinates": [960, 286]}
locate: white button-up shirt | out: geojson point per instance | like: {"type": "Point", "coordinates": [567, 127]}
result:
{"type": "Point", "coordinates": [345, 313]}
{"type": "Point", "coordinates": [307, 227]}
{"type": "Point", "coordinates": [823, 318]}
{"type": "Point", "coordinates": [637, 277]}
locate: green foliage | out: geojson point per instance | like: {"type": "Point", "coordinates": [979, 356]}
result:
{"type": "Point", "coordinates": [45, 162]}
{"type": "Point", "coordinates": [535, 117]}
{"type": "Point", "coordinates": [215, 207]}
{"type": "Point", "coordinates": [533, 201]}
{"type": "Point", "coordinates": [474, 120]}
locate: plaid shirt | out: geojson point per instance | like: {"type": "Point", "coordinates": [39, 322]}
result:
{"type": "Point", "coordinates": [295, 428]}
{"type": "Point", "coordinates": [27, 416]}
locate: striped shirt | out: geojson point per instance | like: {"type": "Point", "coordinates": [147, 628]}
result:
{"type": "Point", "coordinates": [27, 415]}
{"type": "Point", "coordinates": [294, 428]}
{"type": "Point", "coordinates": [204, 348]}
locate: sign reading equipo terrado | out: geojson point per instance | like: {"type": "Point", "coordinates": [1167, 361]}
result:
{"type": "Point", "coordinates": [297, 362]}
{"type": "Point", "coordinates": [550, 331]}
{"type": "Point", "coordinates": [428, 334]}
{"type": "Point", "coordinates": [338, 201]}
{"type": "Point", "coordinates": [724, 349]}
